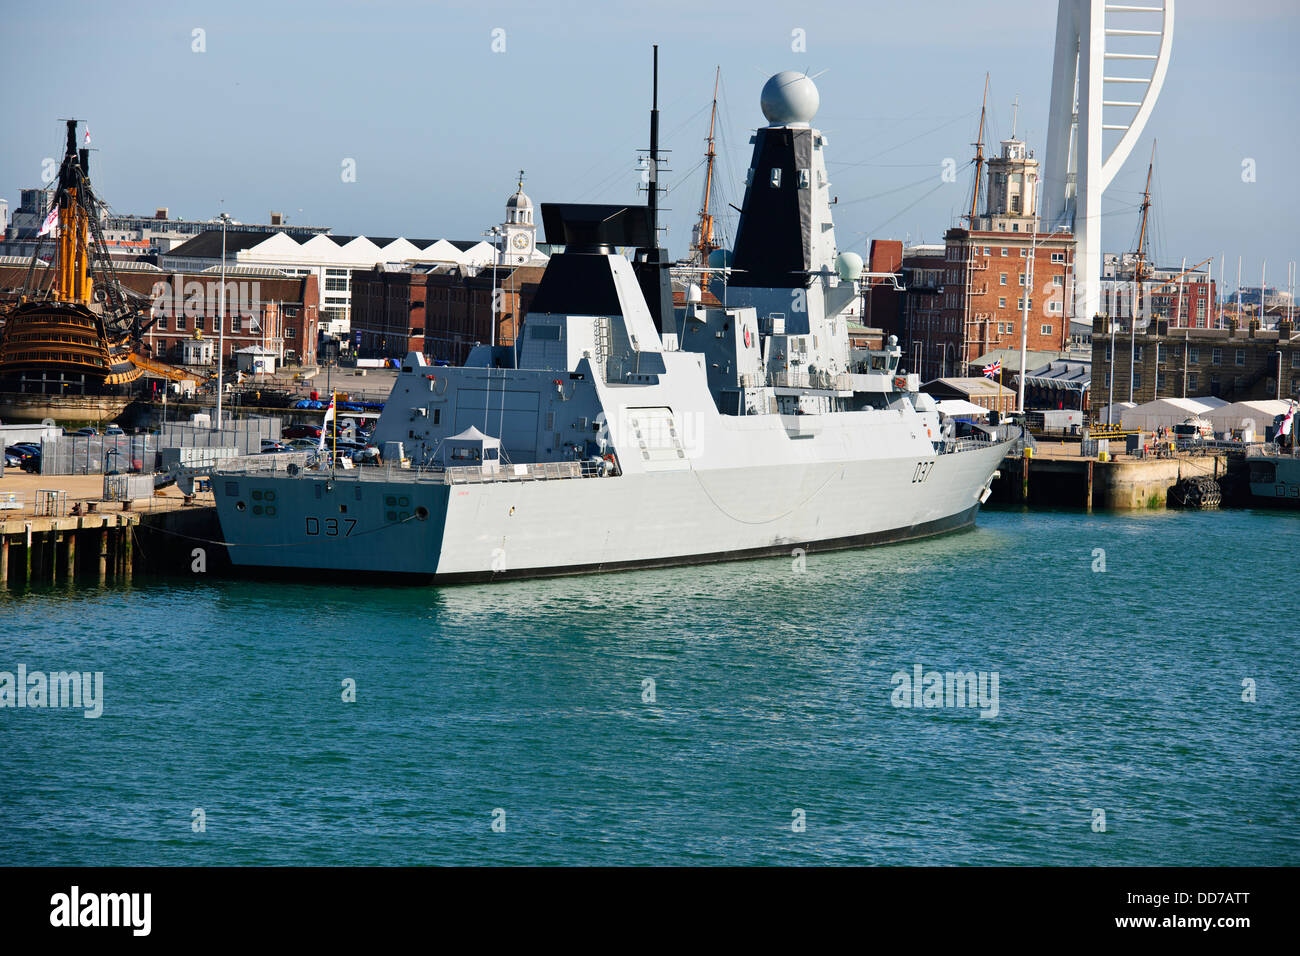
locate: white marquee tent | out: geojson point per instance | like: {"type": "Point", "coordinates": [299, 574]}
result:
{"type": "Point", "coordinates": [1166, 412]}
{"type": "Point", "coordinates": [1260, 413]}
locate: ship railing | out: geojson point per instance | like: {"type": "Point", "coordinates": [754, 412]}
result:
{"type": "Point", "coordinates": [959, 445]}
{"type": "Point", "coordinates": [308, 464]}
{"type": "Point", "coordinates": [535, 471]}
{"type": "Point", "coordinates": [819, 380]}
{"type": "Point", "coordinates": [1270, 449]}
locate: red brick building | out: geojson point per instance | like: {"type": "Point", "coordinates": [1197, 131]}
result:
{"type": "Point", "coordinates": [261, 309]}
{"type": "Point", "coordinates": [442, 311]}
{"type": "Point", "coordinates": [966, 297]}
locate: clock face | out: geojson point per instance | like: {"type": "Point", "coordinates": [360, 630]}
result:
{"type": "Point", "coordinates": [520, 241]}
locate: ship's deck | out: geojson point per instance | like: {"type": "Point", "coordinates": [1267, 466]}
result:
{"type": "Point", "coordinates": [307, 465]}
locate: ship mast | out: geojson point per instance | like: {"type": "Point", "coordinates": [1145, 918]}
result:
{"type": "Point", "coordinates": [979, 154]}
{"type": "Point", "coordinates": [704, 243]}
{"type": "Point", "coordinates": [1140, 268]}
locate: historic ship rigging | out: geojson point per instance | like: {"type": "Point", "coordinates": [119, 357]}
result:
{"type": "Point", "coordinates": [74, 329]}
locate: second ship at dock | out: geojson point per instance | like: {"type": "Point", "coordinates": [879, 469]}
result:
{"type": "Point", "coordinates": [622, 432]}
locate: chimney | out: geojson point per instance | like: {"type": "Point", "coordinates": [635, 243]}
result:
{"type": "Point", "coordinates": [277, 219]}
{"type": "Point", "coordinates": [160, 213]}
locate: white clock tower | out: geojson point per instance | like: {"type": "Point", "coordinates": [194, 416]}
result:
{"type": "Point", "coordinates": [519, 232]}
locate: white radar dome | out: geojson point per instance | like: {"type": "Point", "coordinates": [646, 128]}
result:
{"type": "Point", "coordinates": [848, 265]}
{"type": "Point", "coordinates": [790, 98]}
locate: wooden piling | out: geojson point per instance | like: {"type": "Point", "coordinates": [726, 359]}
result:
{"type": "Point", "coordinates": [1087, 495]}
{"type": "Point", "coordinates": [102, 548]}
{"type": "Point", "coordinates": [1024, 479]}
{"type": "Point", "coordinates": [70, 554]}
{"type": "Point", "coordinates": [4, 562]}
{"type": "Point", "coordinates": [128, 547]}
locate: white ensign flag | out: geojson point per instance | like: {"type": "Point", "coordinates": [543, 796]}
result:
{"type": "Point", "coordinates": [51, 221]}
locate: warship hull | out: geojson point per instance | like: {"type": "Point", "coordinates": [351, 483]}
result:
{"type": "Point", "coordinates": [430, 529]}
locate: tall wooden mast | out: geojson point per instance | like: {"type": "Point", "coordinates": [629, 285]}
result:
{"type": "Point", "coordinates": [705, 242]}
{"type": "Point", "coordinates": [1142, 229]}
{"type": "Point", "coordinates": [979, 154]}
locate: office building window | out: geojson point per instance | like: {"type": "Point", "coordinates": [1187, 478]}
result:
{"type": "Point", "coordinates": [1216, 356]}
{"type": "Point", "coordinates": [1002, 304]}
{"type": "Point", "coordinates": [1046, 330]}
{"type": "Point", "coordinates": [1191, 381]}
{"type": "Point", "coordinates": [1241, 356]}
{"type": "Point", "coordinates": [1194, 356]}
{"type": "Point", "coordinates": [1002, 279]}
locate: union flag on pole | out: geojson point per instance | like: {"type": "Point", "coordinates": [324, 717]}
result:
{"type": "Point", "coordinates": [993, 368]}
{"type": "Point", "coordinates": [1284, 427]}
{"type": "Point", "coordinates": [50, 224]}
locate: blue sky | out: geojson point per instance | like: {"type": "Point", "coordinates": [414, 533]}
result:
{"type": "Point", "coordinates": [438, 123]}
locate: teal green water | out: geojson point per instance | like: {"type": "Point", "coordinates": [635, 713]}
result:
{"type": "Point", "coordinates": [1118, 691]}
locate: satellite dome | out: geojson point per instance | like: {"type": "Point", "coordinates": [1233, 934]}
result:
{"type": "Point", "coordinates": [720, 259]}
{"type": "Point", "coordinates": [790, 99]}
{"type": "Point", "coordinates": [694, 294]}
{"type": "Point", "coordinates": [848, 265]}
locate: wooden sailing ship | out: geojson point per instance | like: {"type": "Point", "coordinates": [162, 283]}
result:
{"type": "Point", "coordinates": [73, 331]}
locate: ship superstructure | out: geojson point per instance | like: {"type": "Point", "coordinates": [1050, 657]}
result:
{"type": "Point", "coordinates": [615, 434]}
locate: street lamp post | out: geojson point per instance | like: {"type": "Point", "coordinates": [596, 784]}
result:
{"type": "Point", "coordinates": [495, 233]}
{"type": "Point", "coordinates": [221, 325]}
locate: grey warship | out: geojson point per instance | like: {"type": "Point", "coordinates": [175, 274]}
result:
{"type": "Point", "coordinates": [620, 432]}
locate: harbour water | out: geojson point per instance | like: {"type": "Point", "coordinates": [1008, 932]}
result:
{"type": "Point", "coordinates": [772, 705]}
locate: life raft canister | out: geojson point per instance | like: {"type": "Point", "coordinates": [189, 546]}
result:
{"type": "Point", "coordinates": [746, 337]}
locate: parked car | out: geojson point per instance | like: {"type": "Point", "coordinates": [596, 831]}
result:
{"type": "Point", "coordinates": [302, 431]}
{"type": "Point", "coordinates": [114, 430]}
{"type": "Point", "coordinates": [302, 444]}
{"type": "Point", "coordinates": [32, 464]}
{"type": "Point", "coordinates": [272, 447]}
{"type": "Point", "coordinates": [20, 451]}
{"type": "Point", "coordinates": [86, 431]}
{"type": "Point", "coordinates": [13, 461]}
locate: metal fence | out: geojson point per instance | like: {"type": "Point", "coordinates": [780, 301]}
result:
{"type": "Point", "coordinates": [98, 454]}
{"type": "Point", "coordinates": [245, 435]}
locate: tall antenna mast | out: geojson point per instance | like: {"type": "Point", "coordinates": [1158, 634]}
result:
{"type": "Point", "coordinates": [979, 153]}
{"type": "Point", "coordinates": [704, 242]}
{"type": "Point", "coordinates": [653, 186]}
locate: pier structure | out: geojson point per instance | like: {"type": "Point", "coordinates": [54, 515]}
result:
{"type": "Point", "coordinates": [57, 529]}
{"type": "Point", "coordinates": [1057, 474]}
